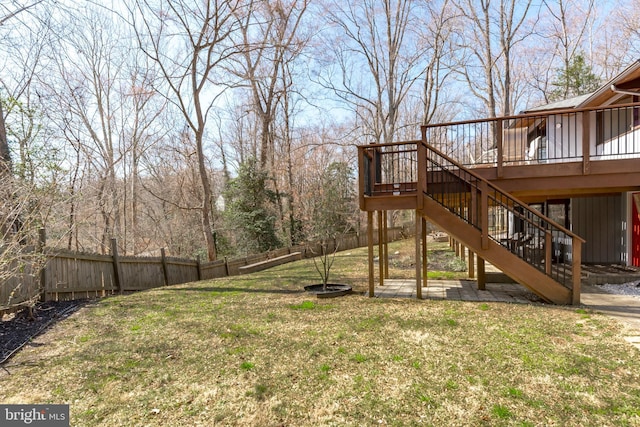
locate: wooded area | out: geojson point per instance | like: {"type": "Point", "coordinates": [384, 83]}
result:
{"type": "Point", "coordinates": [227, 127]}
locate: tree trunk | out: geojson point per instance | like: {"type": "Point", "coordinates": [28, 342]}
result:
{"type": "Point", "coordinates": [5, 155]}
{"type": "Point", "coordinates": [207, 198]}
{"type": "Point", "coordinates": [488, 66]}
{"type": "Point", "coordinates": [265, 138]}
{"type": "Point", "coordinates": [134, 202]}
{"type": "Point", "coordinates": [72, 230]}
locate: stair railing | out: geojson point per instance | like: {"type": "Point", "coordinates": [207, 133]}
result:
{"type": "Point", "coordinates": [525, 232]}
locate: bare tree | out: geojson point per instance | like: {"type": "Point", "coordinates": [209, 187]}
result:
{"type": "Point", "coordinates": [12, 11]}
{"type": "Point", "coordinates": [270, 36]}
{"type": "Point", "coordinates": [615, 41]}
{"type": "Point", "coordinates": [29, 174]}
{"type": "Point", "coordinates": [377, 60]}
{"type": "Point", "coordinates": [294, 230]}
{"type": "Point", "coordinates": [12, 8]}
{"type": "Point", "coordinates": [84, 89]}
{"type": "Point", "coordinates": [21, 43]}
{"type": "Point", "coordinates": [237, 130]}
{"type": "Point", "coordinates": [439, 36]}
{"type": "Point", "coordinates": [569, 22]}
{"type": "Point", "coordinates": [170, 193]}
{"type": "Point", "coordinates": [145, 127]}
{"type": "Point", "coordinates": [491, 31]}
{"type": "Point", "coordinates": [189, 41]}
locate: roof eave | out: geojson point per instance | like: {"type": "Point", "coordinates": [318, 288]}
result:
{"type": "Point", "coordinates": [634, 67]}
{"type": "Point", "coordinates": [588, 100]}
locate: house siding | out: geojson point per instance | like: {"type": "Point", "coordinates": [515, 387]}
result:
{"type": "Point", "coordinates": [618, 138]}
{"type": "Point", "coordinates": [601, 221]}
{"type": "Point", "coordinates": [564, 137]}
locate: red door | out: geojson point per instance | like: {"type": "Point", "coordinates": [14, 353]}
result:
{"type": "Point", "coordinates": [635, 231]}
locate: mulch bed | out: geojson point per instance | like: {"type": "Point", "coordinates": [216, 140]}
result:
{"type": "Point", "coordinates": [332, 290]}
{"type": "Point", "coordinates": [609, 268]}
{"type": "Point", "coordinates": [18, 329]}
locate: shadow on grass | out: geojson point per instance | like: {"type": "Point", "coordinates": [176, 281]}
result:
{"type": "Point", "coordinates": [235, 289]}
{"type": "Point", "coordinates": [230, 289]}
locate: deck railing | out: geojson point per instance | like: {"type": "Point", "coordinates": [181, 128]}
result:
{"type": "Point", "coordinates": [587, 134]}
{"type": "Point", "coordinates": [389, 168]}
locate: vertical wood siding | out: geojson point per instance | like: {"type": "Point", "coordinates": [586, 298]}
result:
{"type": "Point", "coordinates": [601, 221]}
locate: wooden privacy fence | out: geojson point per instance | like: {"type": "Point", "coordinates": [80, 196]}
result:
{"type": "Point", "coordinates": [71, 275]}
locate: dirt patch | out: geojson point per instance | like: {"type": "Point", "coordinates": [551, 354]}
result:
{"type": "Point", "coordinates": [438, 260]}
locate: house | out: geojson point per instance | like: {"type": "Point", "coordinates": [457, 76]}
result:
{"type": "Point", "coordinates": [609, 122]}
{"type": "Point", "coordinates": [537, 194]}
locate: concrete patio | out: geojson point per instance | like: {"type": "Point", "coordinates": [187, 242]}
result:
{"type": "Point", "coordinates": [463, 290]}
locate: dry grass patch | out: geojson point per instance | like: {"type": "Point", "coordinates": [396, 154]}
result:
{"type": "Point", "coordinates": [255, 350]}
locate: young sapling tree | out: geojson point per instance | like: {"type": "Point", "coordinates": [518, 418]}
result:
{"type": "Point", "coordinates": [333, 210]}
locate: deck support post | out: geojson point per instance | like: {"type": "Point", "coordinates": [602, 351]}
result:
{"type": "Point", "coordinates": [381, 260]}
{"type": "Point", "coordinates": [424, 252]}
{"type": "Point", "coordinates": [471, 264]}
{"type": "Point", "coordinates": [418, 255]}
{"type": "Point", "coordinates": [370, 245]}
{"type": "Point", "coordinates": [576, 271]}
{"type": "Point", "coordinates": [482, 278]}
{"type": "Point", "coordinates": [385, 244]}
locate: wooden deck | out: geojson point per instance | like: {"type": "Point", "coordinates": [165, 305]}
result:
{"type": "Point", "coordinates": [477, 179]}
{"type": "Point", "coordinates": [529, 183]}
{"type": "Point", "coordinates": [537, 183]}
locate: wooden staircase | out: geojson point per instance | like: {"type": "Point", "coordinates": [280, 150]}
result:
{"type": "Point", "coordinates": [529, 247]}
{"type": "Point", "coordinates": [516, 267]}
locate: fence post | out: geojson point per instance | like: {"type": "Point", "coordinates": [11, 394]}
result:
{"type": "Point", "coordinates": [226, 266]}
{"type": "Point", "coordinates": [199, 267]}
{"type": "Point", "coordinates": [42, 241]}
{"type": "Point", "coordinates": [116, 265]}
{"type": "Point", "coordinates": [165, 269]}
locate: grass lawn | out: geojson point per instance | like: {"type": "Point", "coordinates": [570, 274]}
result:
{"type": "Point", "coordinates": [255, 350]}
